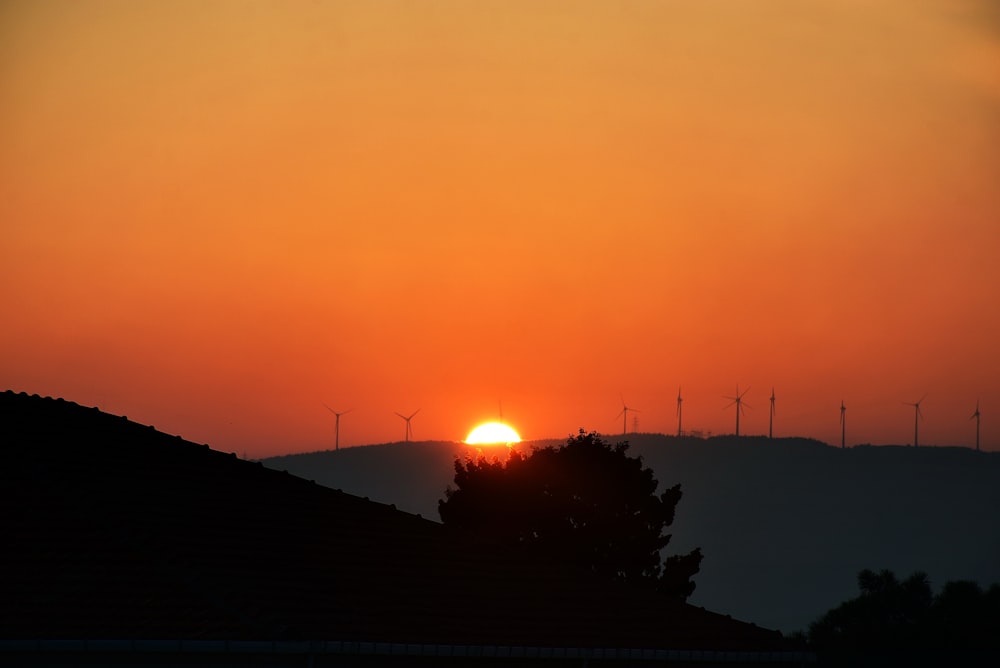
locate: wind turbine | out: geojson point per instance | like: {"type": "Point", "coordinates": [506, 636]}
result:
{"type": "Point", "coordinates": [406, 419]}
{"type": "Point", "coordinates": [337, 425]}
{"type": "Point", "coordinates": [680, 401]}
{"type": "Point", "coordinates": [770, 419]}
{"type": "Point", "coordinates": [975, 416]}
{"type": "Point", "coordinates": [916, 418]}
{"type": "Point", "coordinates": [843, 422]}
{"type": "Point", "coordinates": [624, 416]}
{"type": "Point", "coordinates": [738, 402]}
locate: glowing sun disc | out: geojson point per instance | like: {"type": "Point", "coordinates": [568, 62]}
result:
{"type": "Point", "coordinates": [491, 433]}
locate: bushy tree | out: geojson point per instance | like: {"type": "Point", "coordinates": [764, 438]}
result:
{"type": "Point", "coordinates": [892, 616]}
{"type": "Point", "coordinates": [586, 502]}
{"type": "Point", "coordinates": [884, 615]}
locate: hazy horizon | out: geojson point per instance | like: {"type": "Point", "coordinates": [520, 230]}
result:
{"type": "Point", "coordinates": [284, 449]}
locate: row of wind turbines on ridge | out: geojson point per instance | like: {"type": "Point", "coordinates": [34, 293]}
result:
{"type": "Point", "coordinates": [735, 400]}
{"type": "Point", "coordinates": [406, 418]}
{"type": "Point", "coordinates": [738, 402]}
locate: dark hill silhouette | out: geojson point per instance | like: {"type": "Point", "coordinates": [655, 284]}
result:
{"type": "Point", "coordinates": [114, 531]}
{"type": "Point", "coordinates": [383, 472]}
{"type": "Point", "coordinates": [784, 524]}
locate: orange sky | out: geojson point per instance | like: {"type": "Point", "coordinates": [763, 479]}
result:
{"type": "Point", "coordinates": [218, 215]}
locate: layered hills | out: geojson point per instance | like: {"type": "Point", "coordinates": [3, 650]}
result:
{"type": "Point", "coordinates": [785, 524]}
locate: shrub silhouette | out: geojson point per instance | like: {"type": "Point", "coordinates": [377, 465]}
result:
{"type": "Point", "coordinates": [586, 503]}
{"type": "Point", "coordinates": [891, 616]}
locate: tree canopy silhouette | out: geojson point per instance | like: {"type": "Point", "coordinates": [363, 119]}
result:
{"type": "Point", "coordinates": [586, 502]}
{"type": "Point", "coordinates": [891, 616]}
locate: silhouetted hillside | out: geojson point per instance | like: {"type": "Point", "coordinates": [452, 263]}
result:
{"type": "Point", "coordinates": [115, 531]}
{"type": "Point", "coordinates": [785, 524]}
{"type": "Point", "coordinates": [411, 475]}
{"type": "Point", "coordinates": [396, 471]}
{"type": "Point", "coordinates": [790, 522]}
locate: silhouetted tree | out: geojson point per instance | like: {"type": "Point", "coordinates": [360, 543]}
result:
{"type": "Point", "coordinates": [903, 618]}
{"type": "Point", "coordinates": [884, 616]}
{"type": "Point", "coordinates": [586, 502]}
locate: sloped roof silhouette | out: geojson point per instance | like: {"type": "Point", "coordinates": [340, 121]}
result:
{"type": "Point", "coordinates": [115, 530]}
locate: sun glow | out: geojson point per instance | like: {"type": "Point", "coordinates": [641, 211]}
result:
{"type": "Point", "coordinates": [490, 433]}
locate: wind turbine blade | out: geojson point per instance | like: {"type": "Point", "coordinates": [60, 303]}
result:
{"type": "Point", "coordinates": [328, 408]}
{"type": "Point", "coordinates": [401, 415]}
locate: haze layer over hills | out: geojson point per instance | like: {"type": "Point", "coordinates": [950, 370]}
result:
{"type": "Point", "coordinates": [785, 524]}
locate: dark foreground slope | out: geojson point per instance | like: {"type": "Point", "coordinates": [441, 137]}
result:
{"type": "Point", "coordinates": [785, 524]}
{"type": "Point", "coordinates": [113, 530]}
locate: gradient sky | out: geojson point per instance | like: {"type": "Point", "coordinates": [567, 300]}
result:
{"type": "Point", "coordinates": [217, 216]}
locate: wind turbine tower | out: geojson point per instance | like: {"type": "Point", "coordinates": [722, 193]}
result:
{"type": "Point", "coordinates": [336, 429]}
{"type": "Point", "coordinates": [770, 420]}
{"type": "Point", "coordinates": [975, 416]}
{"type": "Point", "coordinates": [406, 419]}
{"type": "Point", "coordinates": [916, 419]}
{"type": "Point", "coordinates": [680, 403]}
{"type": "Point", "coordinates": [624, 416]}
{"type": "Point", "coordinates": [738, 402]}
{"type": "Point", "coordinates": [843, 422]}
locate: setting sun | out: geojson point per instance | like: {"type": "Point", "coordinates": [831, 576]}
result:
{"type": "Point", "coordinates": [492, 432]}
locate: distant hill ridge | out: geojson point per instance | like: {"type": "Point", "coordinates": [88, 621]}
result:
{"type": "Point", "coordinates": [785, 523]}
{"type": "Point", "coordinates": [115, 531]}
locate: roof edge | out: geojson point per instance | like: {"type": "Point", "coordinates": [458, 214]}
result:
{"type": "Point", "coordinates": [358, 648]}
